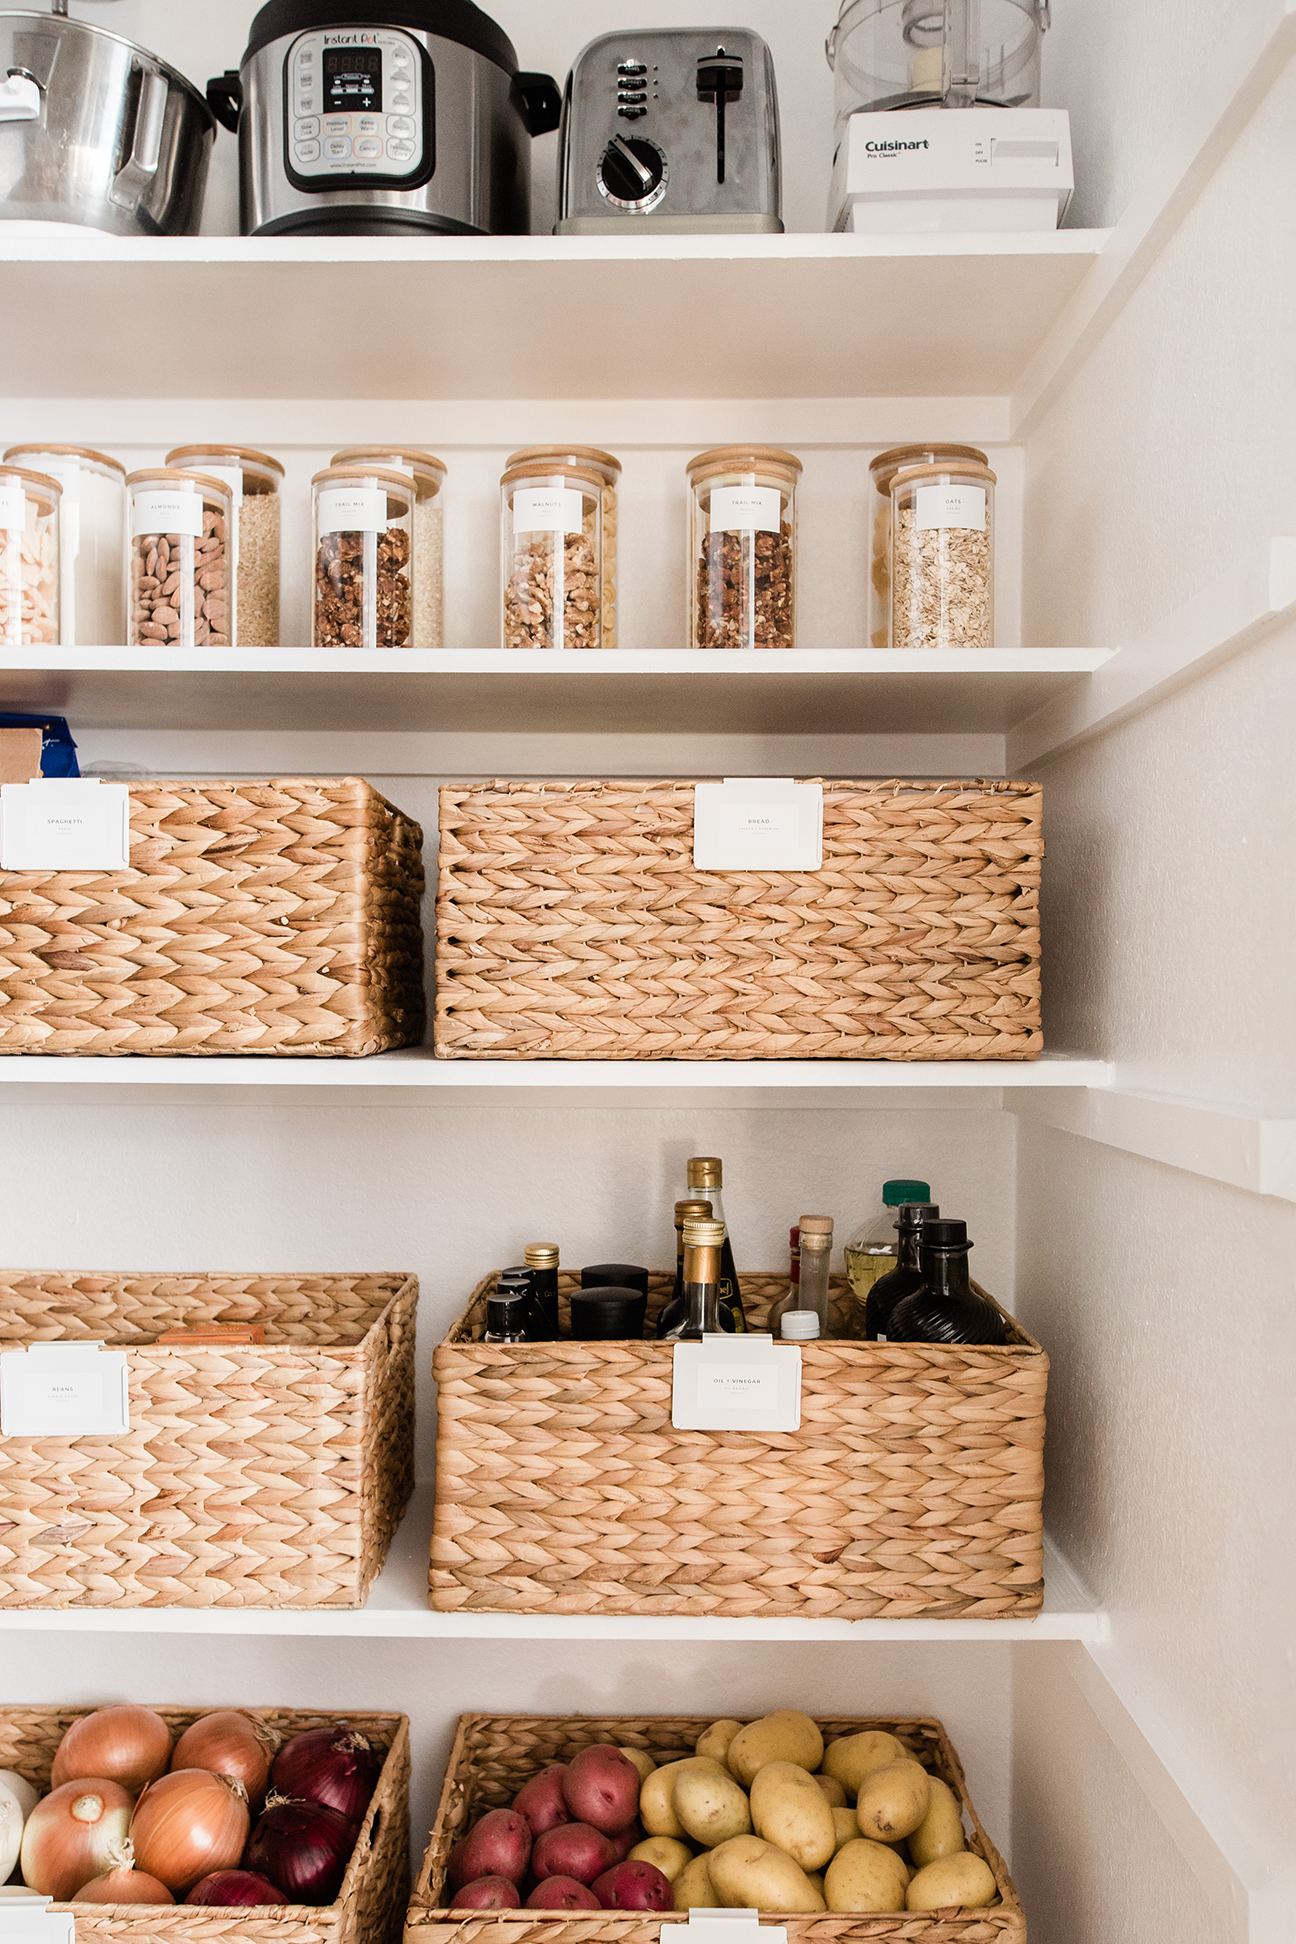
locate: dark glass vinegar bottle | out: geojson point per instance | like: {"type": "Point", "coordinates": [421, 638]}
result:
{"type": "Point", "coordinates": [703, 1242]}
{"type": "Point", "coordinates": [946, 1308]}
{"type": "Point", "coordinates": [901, 1281]}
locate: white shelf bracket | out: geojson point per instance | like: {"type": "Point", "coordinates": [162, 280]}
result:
{"type": "Point", "coordinates": [1226, 1144]}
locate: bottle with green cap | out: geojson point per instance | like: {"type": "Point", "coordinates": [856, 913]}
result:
{"type": "Point", "coordinates": [871, 1250]}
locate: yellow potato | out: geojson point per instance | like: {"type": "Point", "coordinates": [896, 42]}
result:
{"type": "Point", "coordinates": [893, 1801]}
{"type": "Point", "coordinates": [940, 1833]}
{"type": "Point", "coordinates": [656, 1805]}
{"type": "Point", "coordinates": [693, 1888]}
{"type": "Point", "coordinates": [785, 1736]}
{"type": "Point", "coordinates": [709, 1806]}
{"type": "Point", "coordinates": [832, 1789]}
{"type": "Point", "coordinates": [846, 1827]}
{"type": "Point", "coordinates": [642, 1760]}
{"type": "Point", "coordinates": [865, 1876]}
{"type": "Point", "coordinates": [665, 1853]}
{"type": "Point", "coordinates": [715, 1740]}
{"type": "Point", "coordinates": [790, 1810]}
{"type": "Point", "coordinates": [965, 1882]}
{"type": "Point", "coordinates": [747, 1873]}
{"type": "Point", "coordinates": [852, 1757]}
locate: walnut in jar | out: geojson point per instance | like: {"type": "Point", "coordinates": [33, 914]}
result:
{"type": "Point", "coordinates": [551, 549]}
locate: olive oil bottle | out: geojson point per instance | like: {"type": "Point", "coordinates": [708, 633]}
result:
{"type": "Point", "coordinates": [706, 1180]}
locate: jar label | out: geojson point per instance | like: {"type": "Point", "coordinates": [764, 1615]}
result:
{"type": "Point", "coordinates": [352, 509]}
{"type": "Point", "coordinates": [746, 509]}
{"type": "Point", "coordinates": [13, 506]}
{"type": "Point", "coordinates": [167, 513]}
{"type": "Point", "coordinates": [548, 509]}
{"type": "Point", "coordinates": [963, 507]}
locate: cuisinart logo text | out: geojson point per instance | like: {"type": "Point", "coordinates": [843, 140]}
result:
{"type": "Point", "coordinates": [891, 148]}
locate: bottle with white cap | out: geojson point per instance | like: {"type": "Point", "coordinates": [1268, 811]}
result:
{"type": "Point", "coordinates": [799, 1326]}
{"type": "Point", "coordinates": [816, 1258]}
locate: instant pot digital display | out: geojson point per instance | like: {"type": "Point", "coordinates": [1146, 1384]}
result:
{"type": "Point", "coordinates": [352, 79]}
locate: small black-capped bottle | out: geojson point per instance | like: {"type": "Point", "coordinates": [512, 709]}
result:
{"type": "Point", "coordinates": [506, 1314]}
{"type": "Point", "coordinates": [901, 1281]}
{"type": "Point", "coordinates": [946, 1308]}
{"type": "Point", "coordinates": [542, 1261]}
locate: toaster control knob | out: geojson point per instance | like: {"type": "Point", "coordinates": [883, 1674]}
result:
{"type": "Point", "coordinates": [632, 172]}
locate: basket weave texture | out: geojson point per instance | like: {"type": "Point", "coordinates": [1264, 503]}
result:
{"type": "Point", "coordinates": [572, 924]}
{"type": "Point", "coordinates": [254, 918]}
{"type": "Point", "coordinates": [494, 1755]}
{"type": "Point", "coordinates": [370, 1905]}
{"type": "Point", "coordinates": [913, 1488]}
{"type": "Point", "coordinates": [258, 1475]}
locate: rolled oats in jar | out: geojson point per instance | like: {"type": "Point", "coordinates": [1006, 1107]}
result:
{"type": "Point", "coordinates": [429, 476]}
{"type": "Point", "coordinates": [365, 558]}
{"type": "Point", "coordinates": [29, 558]}
{"type": "Point", "coordinates": [742, 548]}
{"type": "Point", "coordinates": [882, 471]}
{"type": "Point", "coordinates": [592, 459]}
{"type": "Point", "coordinates": [942, 556]}
{"type": "Point", "coordinates": [253, 479]}
{"type": "Point", "coordinates": [92, 529]}
{"type": "Point", "coordinates": [180, 592]}
{"type": "Point", "coordinates": [551, 553]}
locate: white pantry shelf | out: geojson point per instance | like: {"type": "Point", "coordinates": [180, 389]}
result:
{"type": "Point", "coordinates": [613, 691]}
{"type": "Point", "coordinates": [397, 1609]}
{"type": "Point", "coordinates": [534, 317]}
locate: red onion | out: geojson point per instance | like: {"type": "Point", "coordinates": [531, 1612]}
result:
{"type": "Point", "coordinates": [335, 1766]}
{"type": "Point", "coordinates": [235, 1888]}
{"type": "Point", "coordinates": [303, 1847]}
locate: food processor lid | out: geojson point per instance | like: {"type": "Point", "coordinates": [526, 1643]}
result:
{"type": "Point", "coordinates": [453, 20]}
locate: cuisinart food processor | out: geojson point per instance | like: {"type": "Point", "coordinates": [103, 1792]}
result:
{"type": "Point", "coordinates": [671, 129]}
{"type": "Point", "coordinates": [1002, 163]}
{"type": "Point", "coordinates": [381, 117]}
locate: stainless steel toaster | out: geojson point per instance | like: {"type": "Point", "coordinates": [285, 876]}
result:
{"type": "Point", "coordinates": [673, 129]}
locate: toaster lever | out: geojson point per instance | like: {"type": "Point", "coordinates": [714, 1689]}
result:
{"type": "Point", "coordinates": [720, 79]}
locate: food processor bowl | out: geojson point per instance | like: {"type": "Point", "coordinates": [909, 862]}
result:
{"type": "Point", "coordinates": [888, 54]}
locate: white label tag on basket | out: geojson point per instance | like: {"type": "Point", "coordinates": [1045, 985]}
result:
{"type": "Point", "coordinates": [26, 1918]}
{"type": "Point", "coordinates": [746, 509]}
{"type": "Point", "coordinates": [758, 823]}
{"type": "Point", "coordinates": [728, 1927]}
{"type": "Point", "coordinates": [736, 1383]}
{"type": "Point", "coordinates": [64, 1390]}
{"type": "Point", "coordinates": [64, 823]}
{"type": "Point", "coordinates": [548, 509]}
{"type": "Point", "coordinates": [963, 507]}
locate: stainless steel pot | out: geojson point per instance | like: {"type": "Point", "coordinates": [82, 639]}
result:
{"type": "Point", "coordinates": [97, 132]}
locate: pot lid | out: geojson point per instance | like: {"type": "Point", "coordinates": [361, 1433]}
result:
{"type": "Point", "coordinates": [453, 20]}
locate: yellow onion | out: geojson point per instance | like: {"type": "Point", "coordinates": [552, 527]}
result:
{"type": "Point", "coordinates": [187, 1825]}
{"type": "Point", "coordinates": [230, 1743]}
{"type": "Point", "coordinates": [72, 1834]}
{"type": "Point", "coordinates": [122, 1883]}
{"type": "Point", "coordinates": [128, 1744]}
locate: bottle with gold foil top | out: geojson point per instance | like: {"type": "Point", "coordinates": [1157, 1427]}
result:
{"type": "Point", "coordinates": [706, 1179]}
{"type": "Point", "coordinates": [684, 1211]}
{"type": "Point", "coordinates": [541, 1259]}
{"type": "Point", "coordinates": [703, 1246]}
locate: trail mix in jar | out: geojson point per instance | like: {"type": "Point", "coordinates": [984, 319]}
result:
{"type": "Point", "coordinates": [743, 548]}
{"type": "Point", "coordinates": [364, 550]}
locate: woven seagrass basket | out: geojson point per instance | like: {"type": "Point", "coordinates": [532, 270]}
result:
{"type": "Point", "coordinates": [494, 1755]}
{"type": "Point", "coordinates": [258, 1475]}
{"type": "Point", "coordinates": [571, 924]}
{"type": "Point", "coordinates": [370, 1905]}
{"type": "Point", "coordinates": [254, 918]}
{"type": "Point", "coordinates": [913, 1488]}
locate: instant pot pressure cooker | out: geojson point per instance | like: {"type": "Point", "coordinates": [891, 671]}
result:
{"type": "Point", "coordinates": [363, 119]}
{"type": "Point", "coordinates": [96, 132]}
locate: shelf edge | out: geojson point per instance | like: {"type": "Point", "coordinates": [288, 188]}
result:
{"type": "Point", "coordinates": [1228, 1144]}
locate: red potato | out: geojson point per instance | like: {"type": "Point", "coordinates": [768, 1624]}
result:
{"type": "Point", "coordinates": [601, 1788]}
{"type": "Point", "coordinates": [541, 1800]}
{"type": "Point", "coordinates": [634, 1886]}
{"type": "Point", "coordinates": [562, 1893]}
{"type": "Point", "coordinates": [625, 1842]}
{"type": "Point", "coordinates": [498, 1844]}
{"type": "Point", "coordinates": [572, 1850]}
{"type": "Point", "coordinates": [487, 1893]}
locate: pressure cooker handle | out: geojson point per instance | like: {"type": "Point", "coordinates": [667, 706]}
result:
{"type": "Point", "coordinates": [135, 177]}
{"type": "Point", "coordinates": [542, 100]}
{"type": "Point", "coordinates": [225, 98]}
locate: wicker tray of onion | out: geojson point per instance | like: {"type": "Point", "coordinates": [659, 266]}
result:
{"type": "Point", "coordinates": [230, 1814]}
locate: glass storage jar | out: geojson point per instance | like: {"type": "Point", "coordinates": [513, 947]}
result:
{"type": "Point", "coordinates": [180, 590]}
{"type": "Point", "coordinates": [253, 479]}
{"type": "Point", "coordinates": [364, 558]}
{"type": "Point", "coordinates": [29, 558]}
{"type": "Point", "coordinates": [942, 556]}
{"type": "Point", "coordinates": [742, 548]}
{"type": "Point", "coordinates": [429, 476]}
{"type": "Point", "coordinates": [551, 555]}
{"type": "Point", "coordinates": [882, 471]}
{"type": "Point", "coordinates": [92, 540]}
{"type": "Point", "coordinates": [604, 463]}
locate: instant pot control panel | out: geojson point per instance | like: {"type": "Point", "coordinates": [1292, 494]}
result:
{"type": "Point", "coordinates": [358, 110]}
